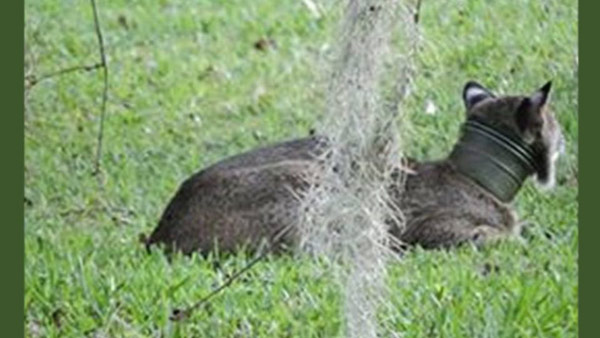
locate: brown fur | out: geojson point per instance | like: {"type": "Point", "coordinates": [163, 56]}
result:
{"type": "Point", "coordinates": [247, 198]}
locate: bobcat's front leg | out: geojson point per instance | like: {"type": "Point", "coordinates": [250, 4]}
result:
{"type": "Point", "coordinates": [482, 234]}
{"type": "Point", "coordinates": [445, 230]}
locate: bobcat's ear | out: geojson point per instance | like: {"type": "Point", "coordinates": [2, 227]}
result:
{"type": "Point", "coordinates": [529, 114]}
{"type": "Point", "coordinates": [474, 93]}
{"type": "Point", "coordinates": [540, 97]}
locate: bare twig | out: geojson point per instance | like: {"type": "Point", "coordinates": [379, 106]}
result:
{"type": "Point", "coordinates": [32, 79]}
{"type": "Point", "coordinates": [178, 315]}
{"type": "Point", "coordinates": [417, 13]}
{"type": "Point", "coordinates": [105, 91]}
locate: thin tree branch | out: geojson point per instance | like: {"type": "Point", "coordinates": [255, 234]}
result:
{"type": "Point", "coordinates": [31, 80]}
{"type": "Point", "coordinates": [417, 13]}
{"type": "Point", "coordinates": [105, 90]}
{"type": "Point", "coordinates": [178, 315]}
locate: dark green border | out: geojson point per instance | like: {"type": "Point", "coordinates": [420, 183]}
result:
{"type": "Point", "coordinates": [589, 162]}
{"type": "Point", "coordinates": [11, 148]}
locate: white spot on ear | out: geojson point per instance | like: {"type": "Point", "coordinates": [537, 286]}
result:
{"type": "Point", "coordinates": [473, 93]}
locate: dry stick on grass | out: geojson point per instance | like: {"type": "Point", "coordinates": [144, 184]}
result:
{"type": "Point", "coordinates": [31, 80]}
{"type": "Point", "coordinates": [417, 13]}
{"type": "Point", "coordinates": [178, 315]}
{"type": "Point", "coordinates": [105, 90]}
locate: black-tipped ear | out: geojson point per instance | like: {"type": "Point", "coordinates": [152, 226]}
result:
{"type": "Point", "coordinates": [474, 93]}
{"type": "Point", "coordinates": [540, 97]}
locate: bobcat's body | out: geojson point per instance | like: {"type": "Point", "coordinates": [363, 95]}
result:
{"type": "Point", "coordinates": [250, 197]}
{"type": "Point", "coordinates": [239, 201]}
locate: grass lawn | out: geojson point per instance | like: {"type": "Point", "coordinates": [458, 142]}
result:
{"type": "Point", "coordinates": [188, 86]}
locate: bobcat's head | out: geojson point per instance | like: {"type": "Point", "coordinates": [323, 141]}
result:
{"type": "Point", "coordinates": [526, 118]}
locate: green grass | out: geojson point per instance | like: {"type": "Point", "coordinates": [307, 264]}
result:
{"type": "Point", "coordinates": [187, 87]}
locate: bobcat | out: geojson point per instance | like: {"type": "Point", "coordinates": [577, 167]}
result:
{"type": "Point", "coordinates": [247, 198]}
